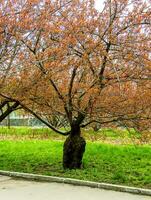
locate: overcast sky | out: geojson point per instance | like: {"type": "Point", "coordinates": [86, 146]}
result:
{"type": "Point", "coordinates": [99, 4]}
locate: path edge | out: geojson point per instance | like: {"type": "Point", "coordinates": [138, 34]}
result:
{"type": "Point", "coordinates": [77, 182]}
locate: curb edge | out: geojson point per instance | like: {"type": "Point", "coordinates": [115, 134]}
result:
{"type": "Point", "coordinates": [77, 182]}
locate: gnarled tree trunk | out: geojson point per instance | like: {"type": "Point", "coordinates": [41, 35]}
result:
{"type": "Point", "coordinates": [74, 148]}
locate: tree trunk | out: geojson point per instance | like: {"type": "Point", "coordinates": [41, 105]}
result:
{"type": "Point", "coordinates": [74, 148]}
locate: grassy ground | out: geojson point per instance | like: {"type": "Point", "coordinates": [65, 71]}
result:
{"type": "Point", "coordinates": [116, 136]}
{"type": "Point", "coordinates": [127, 165]}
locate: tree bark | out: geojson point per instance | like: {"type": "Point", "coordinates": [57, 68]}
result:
{"type": "Point", "coordinates": [9, 110]}
{"type": "Point", "coordinates": [74, 148]}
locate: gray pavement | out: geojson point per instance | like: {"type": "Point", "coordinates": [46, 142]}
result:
{"type": "Point", "coordinates": [11, 189]}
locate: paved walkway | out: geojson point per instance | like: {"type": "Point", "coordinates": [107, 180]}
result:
{"type": "Point", "coordinates": [11, 189]}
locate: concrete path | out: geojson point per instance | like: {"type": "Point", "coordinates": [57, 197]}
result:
{"type": "Point", "coordinates": [11, 189]}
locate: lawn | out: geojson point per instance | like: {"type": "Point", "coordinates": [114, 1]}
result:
{"type": "Point", "coordinates": [117, 164]}
{"type": "Point", "coordinates": [113, 136]}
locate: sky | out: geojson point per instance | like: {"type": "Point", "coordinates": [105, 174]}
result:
{"type": "Point", "coordinates": [99, 4]}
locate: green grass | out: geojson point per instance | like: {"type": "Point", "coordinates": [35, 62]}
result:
{"type": "Point", "coordinates": [28, 133]}
{"type": "Point", "coordinates": [127, 165]}
{"type": "Point", "coordinates": [106, 135]}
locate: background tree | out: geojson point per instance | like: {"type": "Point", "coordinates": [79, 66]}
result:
{"type": "Point", "coordinates": [8, 51]}
{"type": "Point", "coordinates": [81, 65]}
